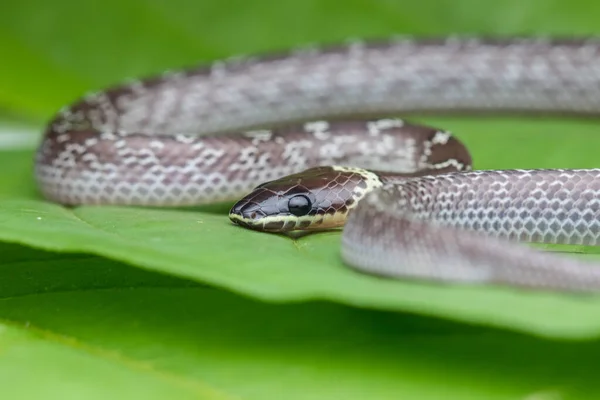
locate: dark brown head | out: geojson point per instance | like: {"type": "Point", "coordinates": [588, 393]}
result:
{"type": "Point", "coordinates": [317, 198]}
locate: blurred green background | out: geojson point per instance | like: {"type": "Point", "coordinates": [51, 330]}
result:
{"type": "Point", "coordinates": [52, 52]}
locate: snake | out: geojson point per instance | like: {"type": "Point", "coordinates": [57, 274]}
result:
{"type": "Point", "coordinates": [314, 138]}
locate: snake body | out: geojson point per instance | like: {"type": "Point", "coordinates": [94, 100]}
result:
{"type": "Point", "coordinates": [215, 133]}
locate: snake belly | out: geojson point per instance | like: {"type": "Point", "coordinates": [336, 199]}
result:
{"type": "Point", "coordinates": [214, 133]}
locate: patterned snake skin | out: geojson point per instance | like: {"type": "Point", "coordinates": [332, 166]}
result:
{"type": "Point", "coordinates": [387, 234]}
{"type": "Point", "coordinates": [177, 140]}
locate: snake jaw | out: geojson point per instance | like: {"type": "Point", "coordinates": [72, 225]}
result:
{"type": "Point", "coordinates": [266, 209]}
{"type": "Point", "coordinates": [288, 223]}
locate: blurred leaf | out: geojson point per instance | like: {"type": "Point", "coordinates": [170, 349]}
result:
{"type": "Point", "coordinates": [53, 52]}
{"type": "Point", "coordinates": [65, 368]}
{"type": "Point", "coordinates": [127, 334]}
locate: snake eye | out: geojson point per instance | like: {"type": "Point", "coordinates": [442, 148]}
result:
{"type": "Point", "coordinates": [299, 205]}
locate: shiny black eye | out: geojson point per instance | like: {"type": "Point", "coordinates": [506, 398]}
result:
{"type": "Point", "coordinates": [299, 205]}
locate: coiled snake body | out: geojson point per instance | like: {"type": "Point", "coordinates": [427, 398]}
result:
{"type": "Point", "coordinates": [314, 129]}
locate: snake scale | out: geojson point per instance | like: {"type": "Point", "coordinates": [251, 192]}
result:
{"type": "Point", "coordinates": [310, 139]}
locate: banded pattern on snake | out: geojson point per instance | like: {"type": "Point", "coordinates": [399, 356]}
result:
{"type": "Point", "coordinates": [213, 134]}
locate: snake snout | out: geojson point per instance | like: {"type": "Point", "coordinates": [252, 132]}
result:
{"type": "Point", "coordinates": [247, 210]}
{"type": "Point", "coordinates": [247, 214]}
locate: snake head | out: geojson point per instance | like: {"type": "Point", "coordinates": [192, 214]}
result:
{"type": "Point", "coordinates": [315, 199]}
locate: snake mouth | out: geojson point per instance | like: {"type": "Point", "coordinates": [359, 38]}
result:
{"type": "Point", "coordinates": [261, 210]}
{"type": "Point", "coordinates": [288, 223]}
{"type": "Point", "coordinates": [268, 224]}
{"type": "Point", "coordinates": [237, 220]}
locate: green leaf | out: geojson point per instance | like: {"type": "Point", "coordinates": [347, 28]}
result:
{"type": "Point", "coordinates": [54, 52]}
{"type": "Point", "coordinates": [206, 247]}
{"type": "Point", "coordinates": [129, 334]}
{"type": "Point", "coordinates": [36, 363]}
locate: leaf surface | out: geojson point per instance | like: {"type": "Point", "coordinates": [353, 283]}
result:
{"type": "Point", "coordinates": [106, 328]}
